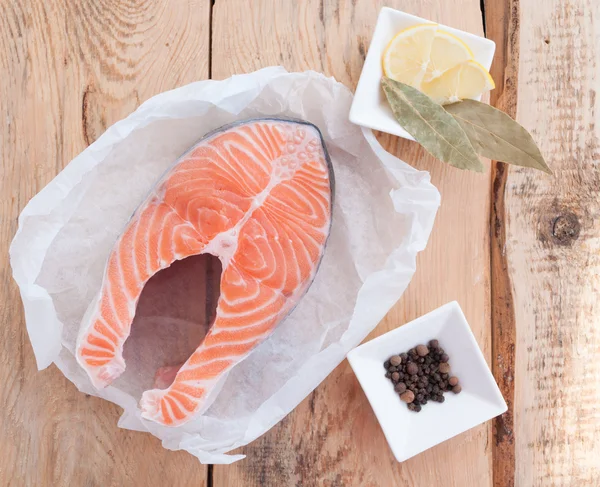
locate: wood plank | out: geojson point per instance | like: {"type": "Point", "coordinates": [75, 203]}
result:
{"type": "Point", "coordinates": [553, 247]}
{"type": "Point", "coordinates": [68, 71]}
{"type": "Point", "coordinates": [502, 26]}
{"type": "Point", "coordinates": [332, 438]}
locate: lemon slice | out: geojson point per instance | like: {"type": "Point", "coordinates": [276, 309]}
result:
{"type": "Point", "coordinates": [407, 55]}
{"type": "Point", "coordinates": [437, 63]}
{"type": "Point", "coordinates": [467, 80]}
{"type": "Point", "coordinates": [447, 51]}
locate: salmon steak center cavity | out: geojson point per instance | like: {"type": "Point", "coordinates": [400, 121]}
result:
{"type": "Point", "coordinates": [257, 195]}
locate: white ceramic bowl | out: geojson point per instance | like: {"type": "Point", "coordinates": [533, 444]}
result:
{"type": "Point", "coordinates": [370, 107]}
{"type": "Point", "coordinates": [407, 432]}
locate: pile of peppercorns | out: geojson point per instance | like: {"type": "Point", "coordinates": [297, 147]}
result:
{"type": "Point", "coordinates": [422, 374]}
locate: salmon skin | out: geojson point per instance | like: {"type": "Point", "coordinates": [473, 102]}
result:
{"type": "Point", "coordinates": [258, 195]}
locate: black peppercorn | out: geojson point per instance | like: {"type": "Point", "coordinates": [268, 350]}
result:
{"type": "Point", "coordinates": [420, 375]}
{"type": "Point", "coordinates": [395, 360]}
{"type": "Point", "coordinates": [407, 396]}
{"type": "Point", "coordinates": [412, 368]}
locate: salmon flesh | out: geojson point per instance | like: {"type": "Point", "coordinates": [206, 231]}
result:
{"type": "Point", "coordinates": [258, 195]}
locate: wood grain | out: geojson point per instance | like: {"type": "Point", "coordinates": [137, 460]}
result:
{"type": "Point", "coordinates": [553, 247]}
{"type": "Point", "coordinates": [332, 438]}
{"type": "Point", "coordinates": [502, 26]}
{"type": "Point", "coordinates": [68, 70]}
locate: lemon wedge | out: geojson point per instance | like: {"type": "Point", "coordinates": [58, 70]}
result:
{"type": "Point", "coordinates": [447, 51]}
{"type": "Point", "coordinates": [467, 80]}
{"type": "Point", "coordinates": [407, 55]}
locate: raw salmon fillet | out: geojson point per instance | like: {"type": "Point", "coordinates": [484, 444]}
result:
{"type": "Point", "coordinates": [257, 195]}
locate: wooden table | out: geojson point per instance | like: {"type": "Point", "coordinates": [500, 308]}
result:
{"type": "Point", "coordinates": [518, 249]}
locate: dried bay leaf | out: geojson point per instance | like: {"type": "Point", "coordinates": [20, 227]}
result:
{"type": "Point", "coordinates": [493, 134]}
{"type": "Point", "coordinates": [432, 126]}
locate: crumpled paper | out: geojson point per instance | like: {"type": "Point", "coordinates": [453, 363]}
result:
{"type": "Point", "coordinates": [383, 214]}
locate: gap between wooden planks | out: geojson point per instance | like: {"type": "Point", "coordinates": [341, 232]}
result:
{"type": "Point", "coordinates": [502, 26]}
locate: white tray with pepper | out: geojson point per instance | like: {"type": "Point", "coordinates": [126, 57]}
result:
{"type": "Point", "coordinates": [433, 366]}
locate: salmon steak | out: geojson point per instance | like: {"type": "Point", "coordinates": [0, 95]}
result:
{"type": "Point", "coordinates": [256, 194]}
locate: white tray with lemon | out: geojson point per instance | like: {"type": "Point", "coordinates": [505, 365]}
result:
{"type": "Point", "coordinates": [446, 64]}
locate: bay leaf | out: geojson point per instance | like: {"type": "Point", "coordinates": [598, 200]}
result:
{"type": "Point", "coordinates": [493, 134]}
{"type": "Point", "coordinates": [431, 126]}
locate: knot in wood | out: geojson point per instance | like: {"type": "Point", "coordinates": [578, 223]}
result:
{"type": "Point", "coordinates": [566, 228]}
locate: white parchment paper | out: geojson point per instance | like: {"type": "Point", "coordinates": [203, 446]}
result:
{"type": "Point", "coordinates": [383, 214]}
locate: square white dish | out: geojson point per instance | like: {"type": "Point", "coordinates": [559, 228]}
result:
{"type": "Point", "coordinates": [409, 433]}
{"type": "Point", "coordinates": [370, 107]}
